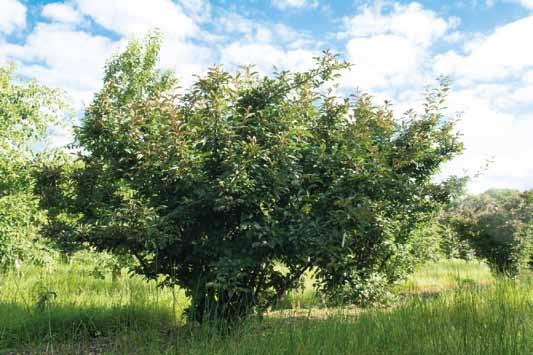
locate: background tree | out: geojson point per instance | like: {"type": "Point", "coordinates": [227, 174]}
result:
{"type": "Point", "coordinates": [498, 225]}
{"type": "Point", "coordinates": [27, 112]}
{"type": "Point", "coordinates": [214, 187]}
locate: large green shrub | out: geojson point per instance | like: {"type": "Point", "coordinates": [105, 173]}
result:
{"type": "Point", "coordinates": [212, 187]}
{"type": "Point", "coordinates": [27, 111]}
{"type": "Point", "coordinates": [498, 225]}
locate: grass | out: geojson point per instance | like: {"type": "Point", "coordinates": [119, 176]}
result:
{"type": "Point", "coordinates": [436, 277]}
{"type": "Point", "coordinates": [489, 321]}
{"type": "Point", "coordinates": [68, 302]}
{"type": "Point", "coordinates": [68, 310]}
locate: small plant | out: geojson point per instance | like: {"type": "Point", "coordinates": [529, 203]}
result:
{"type": "Point", "coordinates": [44, 297]}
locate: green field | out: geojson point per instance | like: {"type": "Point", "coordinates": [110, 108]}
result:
{"type": "Point", "coordinates": [449, 307]}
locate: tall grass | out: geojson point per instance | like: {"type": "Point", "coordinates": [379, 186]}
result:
{"type": "Point", "coordinates": [68, 310]}
{"type": "Point", "coordinates": [47, 306]}
{"type": "Point", "coordinates": [494, 320]}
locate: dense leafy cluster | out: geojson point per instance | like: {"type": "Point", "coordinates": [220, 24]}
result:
{"type": "Point", "coordinates": [234, 188]}
{"type": "Point", "coordinates": [27, 111]}
{"type": "Point", "coordinates": [498, 225]}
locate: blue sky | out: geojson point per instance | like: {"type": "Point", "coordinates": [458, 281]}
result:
{"type": "Point", "coordinates": [398, 47]}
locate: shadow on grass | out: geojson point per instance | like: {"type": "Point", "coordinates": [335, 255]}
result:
{"type": "Point", "coordinates": [23, 328]}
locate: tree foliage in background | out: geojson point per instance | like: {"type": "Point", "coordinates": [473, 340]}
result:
{"type": "Point", "coordinates": [211, 188]}
{"type": "Point", "coordinates": [450, 244]}
{"type": "Point", "coordinates": [498, 225]}
{"type": "Point", "coordinates": [27, 111]}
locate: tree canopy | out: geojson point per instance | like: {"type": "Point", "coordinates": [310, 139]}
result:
{"type": "Point", "coordinates": [27, 111]}
{"type": "Point", "coordinates": [234, 188]}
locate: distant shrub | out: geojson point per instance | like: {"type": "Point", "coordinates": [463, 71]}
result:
{"type": "Point", "coordinates": [498, 225]}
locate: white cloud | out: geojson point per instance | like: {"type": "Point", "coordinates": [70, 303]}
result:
{"type": "Point", "coordinates": [496, 137]}
{"type": "Point", "coordinates": [503, 54]}
{"type": "Point", "coordinates": [412, 21]}
{"type": "Point", "coordinates": [495, 75]}
{"type": "Point", "coordinates": [12, 16]}
{"type": "Point", "coordinates": [177, 22]}
{"type": "Point", "coordinates": [528, 4]}
{"type": "Point", "coordinates": [80, 71]}
{"type": "Point", "coordinates": [61, 13]}
{"type": "Point", "coordinates": [263, 44]}
{"type": "Point", "coordinates": [454, 37]}
{"type": "Point", "coordinates": [49, 48]}
{"type": "Point", "coordinates": [200, 10]}
{"type": "Point", "coordinates": [383, 60]}
{"type": "Point", "coordinates": [393, 48]}
{"type": "Point", "coordinates": [48, 51]}
{"type": "Point", "coordinates": [136, 17]}
{"type": "Point", "coordinates": [285, 4]}
{"type": "Point", "coordinates": [497, 142]}
{"type": "Point", "coordinates": [265, 56]}
{"type": "Point", "coordinates": [235, 26]}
